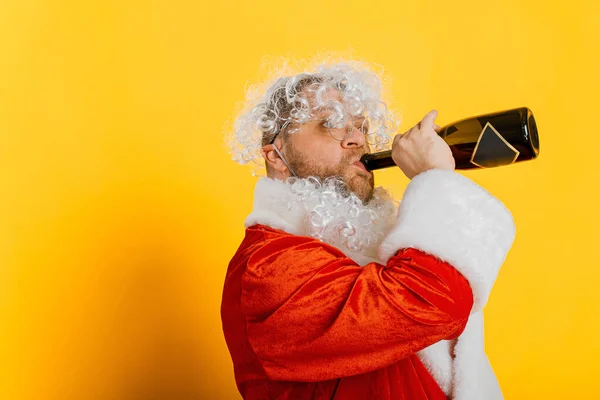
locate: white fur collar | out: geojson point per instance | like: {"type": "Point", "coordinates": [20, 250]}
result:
{"type": "Point", "coordinates": [307, 207]}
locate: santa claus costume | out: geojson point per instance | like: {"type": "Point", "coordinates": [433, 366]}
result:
{"type": "Point", "coordinates": [327, 298]}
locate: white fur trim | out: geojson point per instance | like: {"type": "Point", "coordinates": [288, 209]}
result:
{"type": "Point", "coordinates": [447, 215]}
{"type": "Point", "coordinates": [469, 376]}
{"type": "Point", "coordinates": [266, 192]}
{"type": "Point", "coordinates": [473, 377]}
{"type": "Point", "coordinates": [437, 358]}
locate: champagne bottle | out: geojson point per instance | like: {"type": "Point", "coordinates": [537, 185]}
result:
{"type": "Point", "coordinates": [484, 141]}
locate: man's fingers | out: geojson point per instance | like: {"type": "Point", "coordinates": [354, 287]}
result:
{"type": "Point", "coordinates": [412, 131]}
{"type": "Point", "coordinates": [397, 137]}
{"type": "Point", "coordinates": [428, 120]}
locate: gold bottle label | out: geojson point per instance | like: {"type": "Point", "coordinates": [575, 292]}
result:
{"type": "Point", "coordinates": [492, 150]}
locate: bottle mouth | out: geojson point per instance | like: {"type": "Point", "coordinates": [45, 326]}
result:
{"type": "Point", "coordinates": [533, 133]}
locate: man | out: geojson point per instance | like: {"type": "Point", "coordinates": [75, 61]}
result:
{"type": "Point", "coordinates": [336, 293]}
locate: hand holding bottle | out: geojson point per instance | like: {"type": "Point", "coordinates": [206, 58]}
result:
{"type": "Point", "coordinates": [421, 149]}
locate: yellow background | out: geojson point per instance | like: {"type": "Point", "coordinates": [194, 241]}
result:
{"type": "Point", "coordinates": [120, 207]}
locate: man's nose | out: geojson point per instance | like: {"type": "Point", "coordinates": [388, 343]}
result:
{"type": "Point", "coordinates": [356, 138]}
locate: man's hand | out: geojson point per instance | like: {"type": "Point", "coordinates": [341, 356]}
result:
{"type": "Point", "coordinates": [421, 149]}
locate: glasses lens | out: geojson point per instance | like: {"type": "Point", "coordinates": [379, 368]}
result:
{"type": "Point", "coordinates": [371, 140]}
{"type": "Point", "coordinates": [362, 125]}
{"type": "Point", "coordinates": [340, 133]}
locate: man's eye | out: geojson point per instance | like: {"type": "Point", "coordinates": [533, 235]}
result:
{"type": "Point", "coordinates": [363, 128]}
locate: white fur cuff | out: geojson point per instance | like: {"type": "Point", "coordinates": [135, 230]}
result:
{"type": "Point", "coordinates": [447, 215]}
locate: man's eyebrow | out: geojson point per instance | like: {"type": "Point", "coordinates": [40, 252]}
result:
{"type": "Point", "coordinates": [324, 112]}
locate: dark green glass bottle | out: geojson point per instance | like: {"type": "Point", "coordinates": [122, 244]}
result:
{"type": "Point", "coordinates": [485, 141]}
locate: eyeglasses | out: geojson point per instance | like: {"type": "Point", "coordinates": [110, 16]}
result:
{"type": "Point", "coordinates": [339, 134]}
{"type": "Point", "coordinates": [286, 123]}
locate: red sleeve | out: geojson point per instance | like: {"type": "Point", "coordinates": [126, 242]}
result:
{"type": "Point", "coordinates": [313, 314]}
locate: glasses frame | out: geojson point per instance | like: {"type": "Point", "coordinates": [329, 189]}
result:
{"type": "Point", "coordinates": [349, 130]}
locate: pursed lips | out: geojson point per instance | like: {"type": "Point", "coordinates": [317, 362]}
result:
{"type": "Point", "coordinates": [361, 166]}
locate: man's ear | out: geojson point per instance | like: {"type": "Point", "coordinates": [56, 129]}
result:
{"type": "Point", "coordinates": [273, 160]}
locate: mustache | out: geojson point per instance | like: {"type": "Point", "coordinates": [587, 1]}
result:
{"type": "Point", "coordinates": [353, 157]}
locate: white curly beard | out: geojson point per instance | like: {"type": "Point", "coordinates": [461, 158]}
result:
{"type": "Point", "coordinates": [325, 211]}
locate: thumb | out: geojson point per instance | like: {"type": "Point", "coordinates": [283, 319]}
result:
{"type": "Point", "coordinates": [428, 120]}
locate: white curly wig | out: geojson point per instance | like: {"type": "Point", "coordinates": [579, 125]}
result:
{"type": "Point", "coordinates": [298, 98]}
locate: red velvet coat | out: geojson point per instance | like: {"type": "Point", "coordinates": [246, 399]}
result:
{"type": "Point", "coordinates": [303, 321]}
